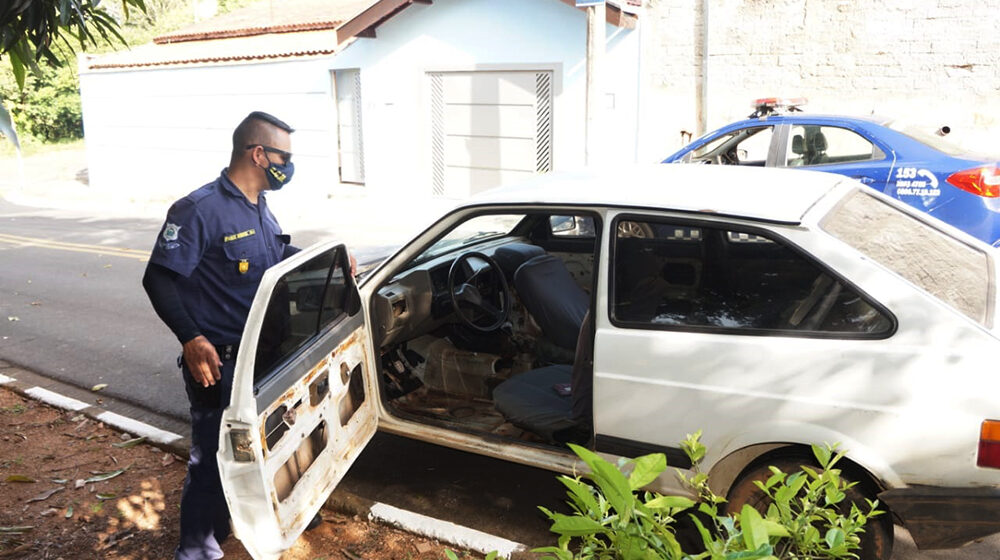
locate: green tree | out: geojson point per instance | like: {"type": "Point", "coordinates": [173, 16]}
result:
{"type": "Point", "coordinates": [33, 31]}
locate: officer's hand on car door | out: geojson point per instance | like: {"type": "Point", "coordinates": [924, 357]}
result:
{"type": "Point", "coordinates": [202, 361]}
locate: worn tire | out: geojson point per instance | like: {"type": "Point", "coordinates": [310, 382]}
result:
{"type": "Point", "coordinates": [876, 541]}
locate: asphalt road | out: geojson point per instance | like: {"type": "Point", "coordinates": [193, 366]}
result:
{"type": "Point", "coordinates": [72, 308]}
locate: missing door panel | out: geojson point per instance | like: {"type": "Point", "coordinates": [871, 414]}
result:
{"type": "Point", "coordinates": [355, 396]}
{"type": "Point", "coordinates": [296, 466]}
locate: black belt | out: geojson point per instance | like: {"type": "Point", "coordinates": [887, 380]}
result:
{"type": "Point", "coordinates": [227, 351]}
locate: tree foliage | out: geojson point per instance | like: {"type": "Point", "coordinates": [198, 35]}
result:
{"type": "Point", "coordinates": [32, 30]}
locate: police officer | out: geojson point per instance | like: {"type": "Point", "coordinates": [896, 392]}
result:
{"type": "Point", "coordinates": [201, 279]}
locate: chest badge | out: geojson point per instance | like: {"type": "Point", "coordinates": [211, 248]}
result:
{"type": "Point", "coordinates": [243, 266]}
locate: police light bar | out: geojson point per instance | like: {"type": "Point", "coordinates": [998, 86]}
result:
{"type": "Point", "coordinates": [767, 105]}
{"type": "Point", "coordinates": [778, 102]}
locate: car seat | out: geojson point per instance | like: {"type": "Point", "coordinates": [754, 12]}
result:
{"type": "Point", "coordinates": [553, 298]}
{"type": "Point", "coordinates": [511, 256]}
{"type": "Point", "coordinates": [538, 401]}
{"type": "Point", "coordinates": [799, 149]}
{"type": "Point", "coordinates": [817, 151]}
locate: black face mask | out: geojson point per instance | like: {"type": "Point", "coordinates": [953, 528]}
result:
{"type": "Point", "coordinates": [279, 175]}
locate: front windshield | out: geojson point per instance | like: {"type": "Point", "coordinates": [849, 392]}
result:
{"type": "Point", "coordinates": [471, 231]}
{"type": "Point", "coordinates": [939, 143]}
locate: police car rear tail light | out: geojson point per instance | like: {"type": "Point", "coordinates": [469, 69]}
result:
{"type": "Point", "coordinates": [982, 181]}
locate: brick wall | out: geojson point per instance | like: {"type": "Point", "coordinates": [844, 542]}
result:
{"type": "Point", "coordinates": [932, 62]}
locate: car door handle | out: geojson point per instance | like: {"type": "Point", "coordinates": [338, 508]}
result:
{"type": "Point", "coordinates": [864, 179]}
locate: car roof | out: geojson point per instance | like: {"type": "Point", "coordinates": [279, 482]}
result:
{"type": "Point", "coordinates": [775, 195]}
{"type": "Point", "coordinates": [820, 118]}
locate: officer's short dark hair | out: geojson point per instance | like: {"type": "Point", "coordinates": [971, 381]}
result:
{"type": "Point", "coordinates": [254, 129]}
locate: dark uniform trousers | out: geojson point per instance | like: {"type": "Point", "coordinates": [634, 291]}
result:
{"type": "Point", "coordinates": [204, 513]}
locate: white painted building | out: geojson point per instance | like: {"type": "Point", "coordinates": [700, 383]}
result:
{"type": "Point", "coordinates": [389, 97]}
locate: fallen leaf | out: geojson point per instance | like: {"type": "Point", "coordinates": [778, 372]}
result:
{"type": "Point", "coordinates": [125, 436]}
{"type": "Point", "coordinates": [100, 477]}
{"type": "Point", "coordinates": [36, 303]}
{"type": "Point", "coordinates": [129, 443]}
{"type": "Point", "coordinates": [69, 512]}
{"type": "Point", "coordinates": [424, 548]}
{"type": "Point", "coordinates": [45, 495]}
{"type": "Point", "coordinates": [13, 318]}
{"type": "Point", "coordinates": [80, 483]}
{"type": "Point", "coordinates": [20, 478]}
{"type": "Point", "coordinates": [59, 480]}
{"type": "Point", "coordinates": [49, 512]}
{"type": "Point", "coordinates": [16, 530]}
{"type": "Point", "coordinates": [77, 418]}
{"type": "Point", "coordinates": [106, 496]}
{"type": "Point", "coordinates": [98, 387]}
{"type": "Point", "coordinates": [167, 459]}
{"type": "Point", "coordinates": [113, 459]}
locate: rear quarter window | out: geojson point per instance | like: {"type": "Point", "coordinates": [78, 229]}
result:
{"type": "Point", "coordinates": [956, 273]}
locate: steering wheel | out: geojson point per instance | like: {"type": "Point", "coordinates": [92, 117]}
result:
{"type": "Point", "coordinates": [484, 295]}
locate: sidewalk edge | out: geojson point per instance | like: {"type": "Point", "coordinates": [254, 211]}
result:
{"type": "Point", "coordinates": [169, 441]}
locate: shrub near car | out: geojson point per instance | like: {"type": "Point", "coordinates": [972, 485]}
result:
{"type": "Point", "coordinates": [920, 168]}
{"type": "Point", "coordinates": [621, 311]}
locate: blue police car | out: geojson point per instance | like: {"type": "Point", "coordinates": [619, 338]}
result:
{"type": "Point", "coordinates": [919, 168]}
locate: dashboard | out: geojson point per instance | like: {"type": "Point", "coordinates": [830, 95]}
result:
{"type": "Point", "coordinates": [416, 300]}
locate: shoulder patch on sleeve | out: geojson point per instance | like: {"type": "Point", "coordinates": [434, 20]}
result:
{"type": "Point", "coordinates": [171, 231]}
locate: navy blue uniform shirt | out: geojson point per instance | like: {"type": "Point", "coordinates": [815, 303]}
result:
{"type": "Point", "coordinates": [220, 244]}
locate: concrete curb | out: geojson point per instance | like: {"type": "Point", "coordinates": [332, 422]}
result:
{"type": "Point", "coordinates": [169, 441]}
{"type": "Point", "coordinates": [445, 531]}
{"type": "Point", "coordinates": [341, 501]}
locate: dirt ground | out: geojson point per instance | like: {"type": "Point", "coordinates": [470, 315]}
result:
{"type": "Point", "coordinates": [71, 487]}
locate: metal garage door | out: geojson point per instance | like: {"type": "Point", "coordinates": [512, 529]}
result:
{"type": "Point", "coordinates": [489, 128]}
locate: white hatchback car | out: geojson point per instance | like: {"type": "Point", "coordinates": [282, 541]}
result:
{"type": "Point", "coordinates": [622, 310]}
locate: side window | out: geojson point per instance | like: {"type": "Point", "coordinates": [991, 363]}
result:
{"type": "Point", "coordinates": [824, 145]}
{"type": "Point", "coordinates": [747, 146]}
{"type": "Point", "coordinates": [690, 276]}
{"type": "Point", "coordinates": [304, 302]}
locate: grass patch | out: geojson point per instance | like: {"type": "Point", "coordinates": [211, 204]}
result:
{"type": "Point", "coordinates": [32, 147]}
{"type": "Point", "coordinates": [14, 409]}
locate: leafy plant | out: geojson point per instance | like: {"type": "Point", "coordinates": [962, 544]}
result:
{"type": "Point", "coordinates": [614, 519]}
{"type": "Point", "coordinates": [450, 555]}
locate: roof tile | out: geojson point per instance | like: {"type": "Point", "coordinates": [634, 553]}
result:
{"type": "Point", "coordinates": [270, 16]}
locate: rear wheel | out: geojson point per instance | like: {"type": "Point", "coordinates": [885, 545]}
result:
{"type": "Point", "coordinates": [876, 541]}
{"type": "Point", "coordinates": [634, 229]}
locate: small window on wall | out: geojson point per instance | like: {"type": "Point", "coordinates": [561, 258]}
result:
{"type": "Point", "coordinates": [695, 277]}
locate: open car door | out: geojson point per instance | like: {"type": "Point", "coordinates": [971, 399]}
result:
{"type": "Point", "coordinates": [299, 412]}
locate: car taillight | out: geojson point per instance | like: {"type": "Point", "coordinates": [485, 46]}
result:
{"type": "Point", "coordinates": [982, 181]}
{"type": "Point", "coordinates": [989, 444]}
